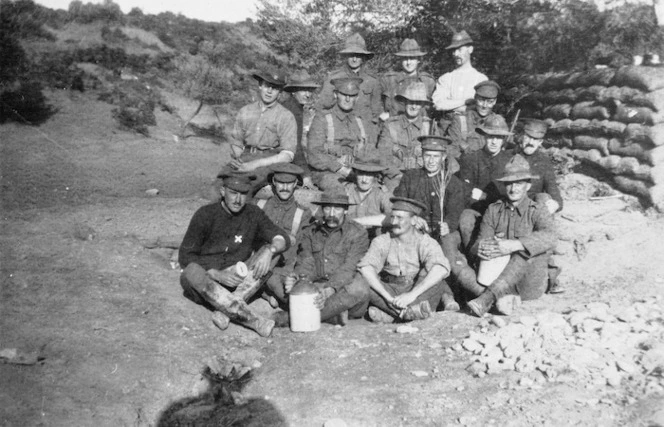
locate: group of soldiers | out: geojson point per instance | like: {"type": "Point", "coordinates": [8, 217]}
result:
{"type": "Point", "coordinates": [410, 205]}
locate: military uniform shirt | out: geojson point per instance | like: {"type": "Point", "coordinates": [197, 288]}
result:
{"type": "Point", "coordinates": [348, 141]}
{"type": "Point", "coordinates": [332, 253]}
{"type": "Point", "coordinates": [376, 202]}
{"type": "Point", "coordinates": [368, 104]}
{"type": "Point", "coordinates": [419, 254]}
{"type": "Point", "coordinates": [398, 144]}
{"type": "Point", "coordinates": [540, 164]}
{"type": "Point", "coordinates": [394, 83]}
{"type": "Point", "coordinates": [266, 128]}
{"type": "Point", "coordinates": [528, 222]}
{"type": "Point", "coordinates": [466, 140]}
{"type": "Point", "coordinates": [303, 117]}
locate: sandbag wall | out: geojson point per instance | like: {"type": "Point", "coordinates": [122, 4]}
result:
{"type": "Point", "coordinates": [612, 118]}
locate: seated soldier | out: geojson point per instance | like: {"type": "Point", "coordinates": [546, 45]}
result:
{"type": "Point", "coordinates": [264, 132]}
{"type": "Point", "coordinates": [398, 141]}
{"type": "Point", "coordinates": [285, 212]}
{"type": "Point", "coordinates": [367, 195]}
{"type": "Point", "coordinates": [406, 269]}
{"type": "Point", "coordinates": [524, 230]}
{"type": "Point", "coordinates": [463, 126]}
{"type": "Point", "coordinates": [220, 235]}
{"type": "Point", "coordinates": [337, 136]}
{"type": "Point", "coordinates": [479, 170]}
{"type": "Point", "coordinates": [545, 189]}
{"type": "Point", "coordinates": [328, 253]}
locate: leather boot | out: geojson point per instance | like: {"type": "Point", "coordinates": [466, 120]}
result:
{"type": "Point", "coordinates": [416, 312]}
{"type": "Point", "coordinates": [482, 304]}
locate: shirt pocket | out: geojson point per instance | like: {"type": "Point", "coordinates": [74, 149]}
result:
{"type": "Point", "coordinates": [271, 136]}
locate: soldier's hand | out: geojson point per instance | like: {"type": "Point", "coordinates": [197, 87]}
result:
{"type": "Point", "coordinates": [236, 164]}
{"type": "Point", "coordinates": [420, 224]}
{"type": "Point", "coordinates": [289, 282]}
{"type": "Point", "coordinates": [261, 264]}
{"type": "Point", "coordinates": [444, 229]}
{"type": "Point", "coordinates": [384, 116]}
{"type": "Point", "coordinates": [226, 277]}
{"type": "Point", "coordinates": [323, 295]}
{"type": "Point", "coordinates": [404, 300]}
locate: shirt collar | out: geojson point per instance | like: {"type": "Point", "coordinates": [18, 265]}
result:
{"type": "Point", "coordinates": [521, 208]}
{"type": "Point", "coordinates": [417, 123]}
{"type": "Point", "coordinates": [341, 114]}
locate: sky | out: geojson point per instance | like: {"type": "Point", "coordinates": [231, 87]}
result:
{"type": "Point", "coordinates": [206, 10]}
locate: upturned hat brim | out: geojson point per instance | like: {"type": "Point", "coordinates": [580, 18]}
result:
{"type": "Point", "coordinates": [295, 86]}
{"type": "Point", "coordinates": [410, 53]}
{"type": "Point", "coordinates": [356, 51]}
{"type": "Point", "coordinates": [493, 132]}
{"type": "Point", "coordinates": [333, 201]}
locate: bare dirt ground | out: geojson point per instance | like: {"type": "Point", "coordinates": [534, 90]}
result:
{"type": "Point", "coordinates": [118, 344]}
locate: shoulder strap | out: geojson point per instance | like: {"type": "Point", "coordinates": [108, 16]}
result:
{"type": "Point", "coordinates": [330, 133]}
{"type": "Point", "coordinates": [261, 203]}
{"type": "Point", "coordinates": [463, 122]}
{"type": "Point", "coordinates": [393, 134]}
{"type": "Point", "coordinates": [297, 219]}
{"type": "Point", "coordinates": [426, 127]}
{"type": "Point", "coordinates": [363, 134]}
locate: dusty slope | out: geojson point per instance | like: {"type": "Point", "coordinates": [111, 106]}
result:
{"type": "Point", "coordinates": [121, 344]}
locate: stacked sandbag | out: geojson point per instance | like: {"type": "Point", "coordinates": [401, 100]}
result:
{"type": "Point", "coordinates": [611, 118]}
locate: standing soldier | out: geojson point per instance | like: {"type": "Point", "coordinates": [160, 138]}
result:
{"type": "Point", "coordinates": [264, 133]}
{"type": "Point", "coordinates": [398, 142]}
{"type": "Point", "coordinates": [301, 103]}
{"type": "Point", "coordinates": [395, 82]}
{"type": "Point", "coordinates": [337, 136]}
{"type": "Point", "coordinates": [453, 89]}
{"type": "Point", "coordinates": [368, 105]}
{"type": "Point", "coordinates": [462, 131]}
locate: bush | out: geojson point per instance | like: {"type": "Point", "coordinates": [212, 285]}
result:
{"type": "Point", "coordinates": [26, 104]}
{"type": "Point", "coordinates": [136, 119]}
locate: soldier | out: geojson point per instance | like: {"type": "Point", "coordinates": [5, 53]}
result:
{"type": "Point", "coordinates": [368, 103]}
{"type": "Point", "coordinates": [264, 133]}
{"type": "Point", "coordinates": [394, 83]}
{"type": "Point", "coordinates": [453, 89]}
{"type": "Point", "coordinates": [479, 170]}
{"type": "Point", "coordinates": [443, 193]}
{"type": "Point", "coordinates": [543, 190]}
{"type": "Point", "coordinates": [524, 230]}
{"type": "Point", "coordinates": [406, 269]}
{"type": "Point", "coordinates": [367, 195]}
{"type": "Point", "coordinates": [219, 237]}
{"type": "Point", "coordinates": [337, 136]}
{"type": "Point", "coordinates": [284, 212]}
{"type": "Point", "coordinates": [328, 254]}
{"type": "Point", "coordinates": [301, 103]}
{"type": "Point", "coordinates": [462, 130]}
{"type": "Point", "coordinates": [398, 140]}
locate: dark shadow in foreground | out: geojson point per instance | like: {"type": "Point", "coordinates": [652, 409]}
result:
{"type": "Point", "coordinates": [222, 405]}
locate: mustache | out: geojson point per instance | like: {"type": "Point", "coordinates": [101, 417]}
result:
{"type": "Point", "coordinates": [331, 219]}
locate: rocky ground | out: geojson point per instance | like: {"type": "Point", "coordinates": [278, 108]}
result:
{"type": "Point", "coordinates": [94, 328]}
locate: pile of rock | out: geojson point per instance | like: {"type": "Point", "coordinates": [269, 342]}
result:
{"type": "Point", "coordinates": [598, 344]}
{"type": "Point", "coordinates": [611, 118]}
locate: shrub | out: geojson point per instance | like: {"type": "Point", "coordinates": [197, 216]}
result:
{"type": "Point", "coordinates": [26, 104]}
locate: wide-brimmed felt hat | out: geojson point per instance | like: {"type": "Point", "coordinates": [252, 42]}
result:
{"type": "Point", "coordinates": [410, 48]}
{"type": "Point", "coordinates": [334, 198]}
{"type": "Point", "coordinates": [347, 85]}
{"type": "Point", "coordinates": [460, 39]}
{"type": "Point", "coordinates": [300, 80]}
{"type": "Point", "coordinates": [517, 169]}
{"type": "Point", "coordinates": [238, 181]}
{"type": "Point", "coordinates": [409, 205]}
{"type": "Point", "coordinates": [487, 89]}
{"type": "Point", "coordinates": [286, 172]}
{"type": "Point", "coordinates": [494, 125]}
{"type": "Point", "coordinates": [535, 128]}
{"type": "Point", "coordinates": [368, 165]}
{"type": "Point", "coordinates": [273, 77]}
{"type": "Point", "coordinates": [355, 44]}
{"type": "Point", "coordinates": [434, 143]}
{"type": "Point", "coordinates": [414, 92]}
